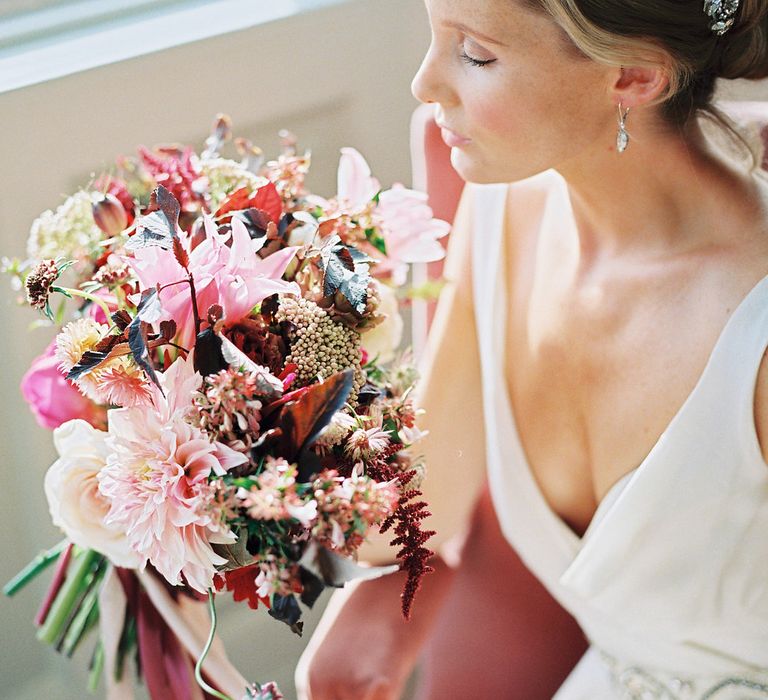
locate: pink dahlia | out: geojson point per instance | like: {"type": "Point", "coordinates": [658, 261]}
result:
{"type": "Point", "coordinates": [227, 270]}
{"type": "Point", "coordinates": [156, 480]}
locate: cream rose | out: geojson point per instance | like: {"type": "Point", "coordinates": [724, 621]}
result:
{"type": "Point", "coordinates": [385, 338]}
{"type": "Point", "coordinates": [74, 500]}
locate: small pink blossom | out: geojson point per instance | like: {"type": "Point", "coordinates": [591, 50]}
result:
{"type": "Point", "coordinates": [52, 398]}
{"type": "Point", "coordinates": [156, 481]}
{"type": "Point", "coordinates": [227, 270]}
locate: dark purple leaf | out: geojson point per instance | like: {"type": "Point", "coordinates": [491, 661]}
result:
{"type": "Point", "coordinates": [137, 342]}
{"type": "Point", "coordinates": [91, 359]}
{"type": "Point", "coordinates": [346, 272]}
{"type": "Point", "coordinates": [287, 610]}
{"type": "Point", "coordinates": [157, 228]}
{"type": "Point", "coordinates": [334, 570]}
{"type": "Point", "coordinates": [311, 587]}
{"type": "Point", "coordinates": [150, 309]}
{"type": "Point", "coordinates": [208, 358]}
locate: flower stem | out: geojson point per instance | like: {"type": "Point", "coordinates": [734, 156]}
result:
{"type": "Point", "coordinates": [41, 562]}
{"type": "Point", "coordinates": [86, 295]}
{"type": "Point", "coordinates": [199, 665]}
{"type": "Point", "coordinates": [87, 612]}
{"type": "Point", "coordinates": [68, 595]}
{"type": "Point", "coordinates": [96, 667]}
{"type": "Point", "coordinates": [59, 576]}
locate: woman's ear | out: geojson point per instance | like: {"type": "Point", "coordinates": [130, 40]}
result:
{"type": "Point", "coordinates": [635, 86]}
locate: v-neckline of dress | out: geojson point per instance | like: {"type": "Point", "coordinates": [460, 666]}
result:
{"type": "Point", "coordinates": [573, 541]}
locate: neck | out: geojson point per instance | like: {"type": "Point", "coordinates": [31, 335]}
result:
{"type": "Point", "coordinates": [667, 193]}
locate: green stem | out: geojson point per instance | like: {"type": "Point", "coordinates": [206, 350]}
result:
{"type": "Point", "coordinates": [87, 614]}
{"type": "Point", "coordinates": [68, 595]}
{"type": "Point", "coordinates": [86, 295]}
{"type": "Point", "coordinates": [96, 668]}
{"type": "Point", "coordinates": [41, 562]}
{"type": "Point", "coordinates": [199, 665]}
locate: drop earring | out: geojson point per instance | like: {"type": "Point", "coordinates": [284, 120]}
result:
{"type": "Point", "coordinates": [622, 137]}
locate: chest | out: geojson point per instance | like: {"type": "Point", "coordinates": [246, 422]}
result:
{"type": "Point", "coordinates": [598, 365]}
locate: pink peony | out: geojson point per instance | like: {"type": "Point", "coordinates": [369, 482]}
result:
{"type": "Point", "coordinates": [52, 398]}
{"type": "Point", "coordinates": [231, 275]}
{"type": "Point", "coordinates": [156, 482]}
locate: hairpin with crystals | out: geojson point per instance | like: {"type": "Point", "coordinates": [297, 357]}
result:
{"type": "Point", "coordinates": [723, 14]}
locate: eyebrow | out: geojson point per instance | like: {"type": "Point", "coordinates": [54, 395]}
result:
{"type": "Point", "coordinates": [473, 32]}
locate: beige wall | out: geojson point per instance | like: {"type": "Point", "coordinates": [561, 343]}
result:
{"type": "Point", "coordinates": [335, 77]}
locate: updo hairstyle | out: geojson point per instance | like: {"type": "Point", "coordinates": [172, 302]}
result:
{"type": "Point", "coordinates": [676, 35]}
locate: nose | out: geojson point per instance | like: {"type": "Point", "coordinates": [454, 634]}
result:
{"type": "Point", "coordinates": [428, 85]}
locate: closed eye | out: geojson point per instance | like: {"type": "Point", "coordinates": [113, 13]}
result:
{"type": "Point", "coordinates": [474, 61]}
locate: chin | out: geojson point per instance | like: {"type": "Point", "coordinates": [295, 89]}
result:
{"type": "Point", "coordinates": [481, 172]}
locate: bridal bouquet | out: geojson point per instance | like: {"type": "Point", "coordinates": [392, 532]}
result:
{"type": "Point", "coordinates": [226, 403]}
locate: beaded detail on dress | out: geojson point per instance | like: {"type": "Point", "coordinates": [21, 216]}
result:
{"type": "Point", "coordinates": [637, 683]}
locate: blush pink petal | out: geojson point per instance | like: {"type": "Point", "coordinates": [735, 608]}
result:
{"type": "Point", "coordinates": [354, 184]}
{"type": "Point", "coordinates": [156, 481]}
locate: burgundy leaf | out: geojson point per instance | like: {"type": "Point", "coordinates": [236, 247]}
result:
{"type": "Point", "coordinates": [121, 319]}
{"type": "Point", "coordinates": [167, 329]}
{"type": "Point", "coordinates": [182, 256]}
{"type": "Point", "coordinates": [303, 419]}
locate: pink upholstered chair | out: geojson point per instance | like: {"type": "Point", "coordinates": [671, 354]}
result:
{"type": "Point", "coordinates": [500, 635]}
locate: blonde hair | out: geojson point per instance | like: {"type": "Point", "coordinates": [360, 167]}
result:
{"type": "Point", "coordinates": [675, 35]}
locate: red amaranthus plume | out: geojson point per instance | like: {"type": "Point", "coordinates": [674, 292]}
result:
{"type": "Point", "coordinates": [409, 536]}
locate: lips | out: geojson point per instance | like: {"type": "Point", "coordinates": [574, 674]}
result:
{"type": "Point", "coordinates": [451, 137]}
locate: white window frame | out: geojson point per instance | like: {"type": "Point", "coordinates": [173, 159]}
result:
{"type": "Point", "coordinates": [54, 42]}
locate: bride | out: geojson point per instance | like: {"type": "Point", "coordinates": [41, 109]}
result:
{"type": "Point", "coordinates": [599, 352]}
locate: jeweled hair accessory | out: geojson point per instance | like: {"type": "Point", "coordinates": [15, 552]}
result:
{"type": "Point", "coordinates": [723, 14]}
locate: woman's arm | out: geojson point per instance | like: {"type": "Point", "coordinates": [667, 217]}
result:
{"type": "Point", "coordinates": [450, 393]}
{"type": "Point", "coordinates": [363, 649]}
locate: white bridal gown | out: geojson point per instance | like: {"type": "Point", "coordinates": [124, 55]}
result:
{"type": "Point", "coordinates": [670, 580]}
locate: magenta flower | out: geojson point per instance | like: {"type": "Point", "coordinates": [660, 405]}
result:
{"type": "Point", "coordinates": [52, 398]}
{"type": "Point", "coordinates": [156, 482]}
{"type": "Point", "coordinates": [227, 271]}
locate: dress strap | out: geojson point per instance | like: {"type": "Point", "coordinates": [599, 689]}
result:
{"type": "Point", "coordinates": [735, 363]}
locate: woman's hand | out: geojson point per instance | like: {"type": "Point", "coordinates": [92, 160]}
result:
{"type": "Point", "coordinates": [363, 649]}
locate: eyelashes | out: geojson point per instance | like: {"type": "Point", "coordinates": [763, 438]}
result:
{"type": "Point", "coordinates": [474, 61]}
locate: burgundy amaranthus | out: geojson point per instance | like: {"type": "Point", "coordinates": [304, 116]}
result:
{"type": "Point", "coordinates": [406, 519]}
